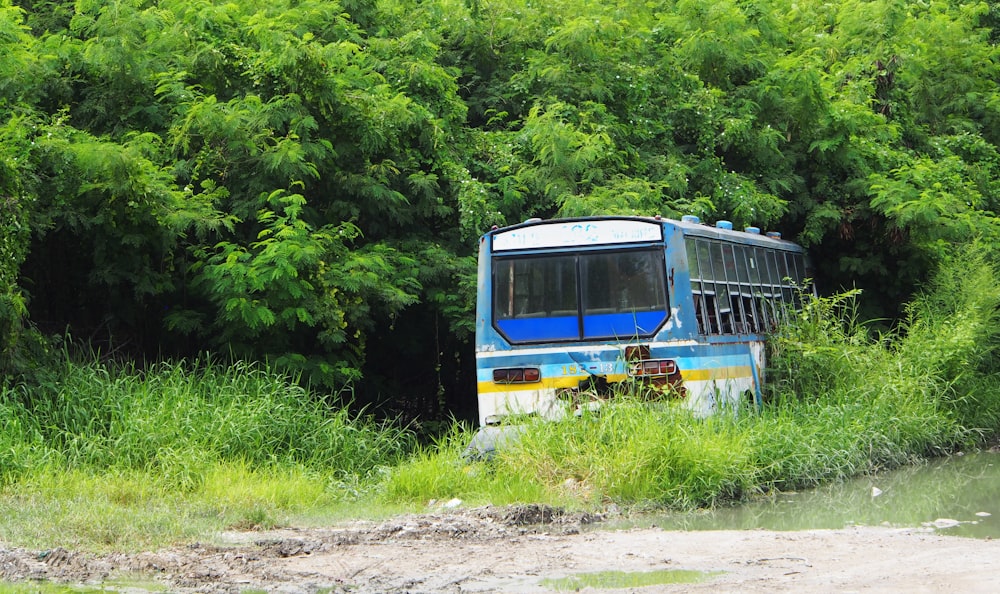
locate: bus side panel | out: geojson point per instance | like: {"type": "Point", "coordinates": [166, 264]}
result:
{"type": "Point", "coordinates": [683, 323]}
{"type": "Point", "coordinates": [487, 338]}
{"type": "Point", "coordinates": [721, 377]}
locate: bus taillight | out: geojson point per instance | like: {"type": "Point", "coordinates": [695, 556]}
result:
{"type": "Point", "coordinates": [517, 375]}
{"type": "Point", "coordinates": [654, 367]}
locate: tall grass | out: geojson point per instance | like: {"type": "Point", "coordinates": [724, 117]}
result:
{"type": "Point", "coordinates": [842, 401]}
{"type": "Point", "coordinates": [117, 457]}
{"type": "Point", "coordinates": [181, 419]}
{"type": "Point", "coordinates": [438, 472]}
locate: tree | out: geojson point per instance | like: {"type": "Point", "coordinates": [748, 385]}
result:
{"type": "Point", "coordinates": [305, 182]}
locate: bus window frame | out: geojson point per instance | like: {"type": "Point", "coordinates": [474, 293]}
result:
{"type": "Point", "coordinates": [755, 282]}
{"type": "Point", "coordinates": [657, 251]}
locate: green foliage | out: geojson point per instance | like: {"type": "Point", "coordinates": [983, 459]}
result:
{"type": "Point", "coordinates": [951, 331]}
{"type": "Point", "coordinates": [946, 343]}
{"type": "Point", "coordinates": [179, 421]}
{"type": "Point", "coordinates": [296, 277]}
{"type": "Point", "coordinates": [14, 240]}
{"type": "Point", "coordinates": [284, 180]}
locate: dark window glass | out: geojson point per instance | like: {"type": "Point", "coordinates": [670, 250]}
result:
{"type": "Point", "coordinates": [534, 287]}
{"type": "Point", "coordinates": [772, 270]}
{"type": "Point", "coordinates": [705, 260]}
{"type": "Point", "coordinates": [731, 264]}
{"type": "Point", "coordinates": [692, 254]}
{"type": "Point", "coordinates": [783, 268]}
{"type": "Point", "coordinates": [535, 299]}
{"type": "Point", "coordinates": [765, 269]}
{"type": "Point", "coordinates": [753, 265]}
{"type": "Point", "coordinates": [741, 264]}
{"type": "Point", "coordinates": [718, 262]}
{"type": "Point", "coordinates": [800, 269]}
{"type": "Point", "coordinates": [623, 282]}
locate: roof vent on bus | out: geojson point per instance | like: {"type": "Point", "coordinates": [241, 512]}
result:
{"type": "Point", "coordinates": [533, 220]}
{"type": "Point", "coordinates": [754, 230]}
{"type": "Point", "coordinates": [774, 234]}
{"type": "Point", "coordinates": [724, 225]}
{"type": "Point", "coordinates": [690, 219]}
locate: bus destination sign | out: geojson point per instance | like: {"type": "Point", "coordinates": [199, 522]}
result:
{"type": "Point", "coordinates": [577, 233]}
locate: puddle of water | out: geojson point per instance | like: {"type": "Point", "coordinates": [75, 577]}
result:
{"type": "Point", "coordinates": [120, 585]}
{"type": "Point", "coordinates": [955, 495]}
{"type": "Point", "coordinates": [42, 587]}
{"type": "Point", "coordinates": [627, 579]}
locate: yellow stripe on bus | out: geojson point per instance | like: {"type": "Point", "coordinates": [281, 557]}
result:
{"type": "Point", "coordinates": [716, 373]}
{"type": "Point", "coordinates": [571, 381]}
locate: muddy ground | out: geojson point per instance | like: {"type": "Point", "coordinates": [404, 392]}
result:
{"type": "Point", "coordinates": [513, 549]}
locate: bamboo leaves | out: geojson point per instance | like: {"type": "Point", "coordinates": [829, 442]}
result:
{"type": "Point", "coordinates": [288, 178]}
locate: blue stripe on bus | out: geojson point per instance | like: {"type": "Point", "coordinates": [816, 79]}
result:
{"type": "Point", "coordinates": [560, 362]}
{"type": "Point", "coordinates": [540, 329]}
{"type": "Point", "coordinates": [615, 325]}
{"type": "Point", "coordinates": [622, 325]}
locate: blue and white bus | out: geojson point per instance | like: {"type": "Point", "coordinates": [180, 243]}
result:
{"type": "Point", "coordinates": [569, 307]}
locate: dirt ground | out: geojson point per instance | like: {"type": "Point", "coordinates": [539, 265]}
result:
{"type": "Point", "coordinates": [514, 549]}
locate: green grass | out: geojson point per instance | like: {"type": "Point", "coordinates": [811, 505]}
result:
{"type": "Point", "coordinates": [108, 458]}
{"type": "Point", "coordinates": [178, 419]}
{"type": "Point", "coordinates": [113, 585]}
{"type": "Point", "coordinates": [843, 402]}
{"type": "Point", "coordinates": [439, 472]}
{"type": "Point", "coordinates": [111, 458]}
{"type": "Point", "coordinates": [139, 510]}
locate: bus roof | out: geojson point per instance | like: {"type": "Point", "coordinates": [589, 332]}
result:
{"type": "Point", "coordinates": [623, 229]}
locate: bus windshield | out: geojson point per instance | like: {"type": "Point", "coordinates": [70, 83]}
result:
{"type": "Point", "coordinates": [590, 295]}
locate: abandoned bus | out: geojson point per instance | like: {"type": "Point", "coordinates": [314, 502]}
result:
{"type": "Point", "coordinates": [573, 306]}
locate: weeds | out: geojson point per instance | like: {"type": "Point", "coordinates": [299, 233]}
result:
{"type": "Point", "coordinates": [842, 401]}
{"type": "Point", "coordinates": [179, 420]}
{"type": "Point", "coordinates": [119, 458]}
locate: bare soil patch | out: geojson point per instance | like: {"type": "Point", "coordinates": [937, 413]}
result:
{"type": "Point", "coordinates": [512, 549]}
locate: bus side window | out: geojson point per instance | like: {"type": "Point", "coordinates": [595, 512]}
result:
{"type": "Point", "coordinates": [742, 315]}
{"type": "Point", "coordinates": [712, 313]}
{"type": "Point", "coordinates": [700, 267]}
{"type": "Point", "coordinates": [736, 307]}
{"type": "Point", "coordinates": [753, 322]}
{"type": "Point", "coordinates": [700, 311]}
{"type": "Point", "coordinates": [764, 307]}
{"type": "Point", "coordinates": [774, 313]}
{"type": "Point", "coordinates": [725, 311]}
{"type": "Point", "coordinates": [707, 311]}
